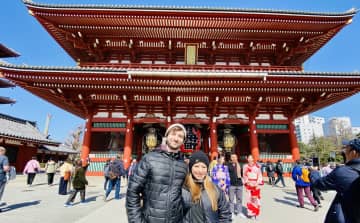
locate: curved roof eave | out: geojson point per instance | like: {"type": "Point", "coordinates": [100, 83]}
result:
{"type": "Point", "coordinates": [7, 52]}
{"type": "Point", "coordinates": [349, 12]}
{"type": "Point", "coordinates": [163, 72]}
{"type": "Point", "coordinates": [6, 100]}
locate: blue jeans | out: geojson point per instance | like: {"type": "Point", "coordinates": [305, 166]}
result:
{"type": "Point", "coordinates": [235, 192]}
{"type": "Point", "coordinates": [280, 178]}
{"type": "Point", "coordinates": [113, 183]}
{"type": "Point", "coordinates": [2, 185]}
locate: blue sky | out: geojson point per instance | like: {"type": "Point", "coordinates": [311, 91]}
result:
{"type": "Point", "coordinates": [21, 32]}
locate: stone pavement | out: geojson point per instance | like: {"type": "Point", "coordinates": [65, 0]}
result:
{"type": "Point", "coordinates": [41, 203]}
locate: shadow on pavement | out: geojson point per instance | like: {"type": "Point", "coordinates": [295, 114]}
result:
{"type": "Point", "coordinates": [290, 193]}
{"type": "Point", "coordinates": [39, 184]}
{"type": "Point", "coordinates": [91, 199]}
{"type": "Point", "coordinates": [287, 202]}
{"type": "Point", "coordinates": [20, 205]}
{"type": "Point", "coordinates": [291, 201]}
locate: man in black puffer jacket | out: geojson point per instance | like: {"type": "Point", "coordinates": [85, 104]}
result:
{"type": "Point", "coordinates": [341, 179]}
{"type": "Point", "coordinates": [154, 191]}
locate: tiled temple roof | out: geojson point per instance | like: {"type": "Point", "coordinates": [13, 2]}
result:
{"type": "Point", "coordinates": [5, 83]}
{"type": "Point", "coordinates": [6, 100]}
{"type": "Point", "coordinates": [61, 148]}
{"type": "Point", "coordinates": [6, 52]}
{"type": "Point", "coordinates": [185, 8]}
{"type": "Point", "coordinates": [21, 129]}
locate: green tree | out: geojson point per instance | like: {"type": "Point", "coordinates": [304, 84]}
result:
{"type": "Point", "coordinates": [321, 147]}
{"type": "Point", "coordinates": [305, 150]}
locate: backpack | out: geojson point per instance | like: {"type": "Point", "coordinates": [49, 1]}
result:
{"type": "Point", "coordinates": [270, 167]}
{"type": "Point", "coordinates": [116, 169]}
{"type": "Point", "coordinates": [112, 173]}
{"type": "Point", "coordinates": [278, 168]}
{"type": "Point", "coordinates": [12, 173]}
{"type": "Point", "coordinates": [305, 173]}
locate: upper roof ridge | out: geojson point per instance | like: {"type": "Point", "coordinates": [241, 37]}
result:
{"type": "Point", "coordinates": [351, 11]}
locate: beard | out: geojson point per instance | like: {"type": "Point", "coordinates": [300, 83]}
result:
{"type": "Point", "coordinates": [171, 147]}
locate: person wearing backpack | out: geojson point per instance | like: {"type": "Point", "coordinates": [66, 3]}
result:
{"type": "Point", "coordinates": [279, 171]}
{"type": "Point", "coordinates": [4, 167]}
{"type": "Point", "coordinates": [116, 171]}
{"type": "Point", "coordinates": [300, 174]}
{"type": "Point", "coordinates": [340, 180]}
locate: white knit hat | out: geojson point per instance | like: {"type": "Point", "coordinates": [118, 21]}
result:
{"type": "Point", "coordinates": [176, 125]}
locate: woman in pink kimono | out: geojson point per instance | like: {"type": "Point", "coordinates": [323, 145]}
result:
{"type": "Point", "coordinates": [252, 181]}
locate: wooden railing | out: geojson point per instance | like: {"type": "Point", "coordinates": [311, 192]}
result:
{"type": "Point", "coordinates": [192, 67]}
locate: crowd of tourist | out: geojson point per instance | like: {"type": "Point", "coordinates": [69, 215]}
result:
{"type": "Point", "coordinates": [166, 186]}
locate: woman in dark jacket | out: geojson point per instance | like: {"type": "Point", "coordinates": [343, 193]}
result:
{"type": "Point", "coordinates": [204, 202]}
{"type": "Point", "coordinates": [79, 184]}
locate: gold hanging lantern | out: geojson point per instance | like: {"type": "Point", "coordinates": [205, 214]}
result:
{"type": "Point", "coordinates": [151, 139]}
{"type": "Point", "coordinates": [229, 140]}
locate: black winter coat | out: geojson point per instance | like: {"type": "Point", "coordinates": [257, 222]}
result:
{"type": "Point", "coordinates": [222, 215]}
{"type": "Point", "coordinates": [158, 178]}
{"type": "Point", "coordinates": [340, 179]}
{"type": "Point", "coordinates": [234, 180]}
{"type": "Point", "coordinates": [351, 204]}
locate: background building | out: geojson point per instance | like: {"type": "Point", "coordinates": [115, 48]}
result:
{"type": "Point", "coordinates": [307, 127]}
{"type": "Point", "coordinates": [338, 127]}
{"type": "Point", "coordinates": [23, 140]}
{"type": "Point", "coordinates": [355, 130]}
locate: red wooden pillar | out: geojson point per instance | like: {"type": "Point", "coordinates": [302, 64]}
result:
{"type": "Point", "coordinates": [85, 150]}
{"type": "Point", "coordinates": [293, 141]}
{"type": "Point", "coordinates": [254, 144]}
{"type": "Point", "coordinates": [128, 143]}
{"type": "Point", "coordinates": [213, 140]}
